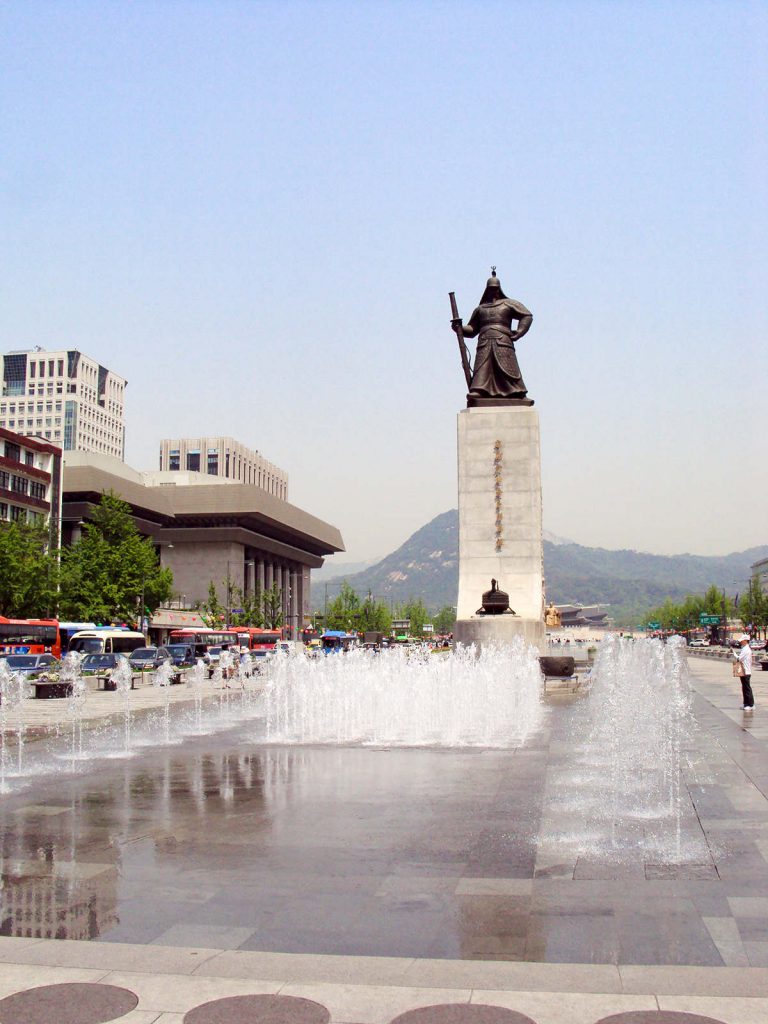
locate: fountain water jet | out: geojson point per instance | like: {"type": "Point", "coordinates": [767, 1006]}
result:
{"type": "Point", "coordinates": [6, 688]}
{"type": "Point", "coordinates": [122, 677]}
{"type": "Point", "coordinates": [624, 779]}
{"type": "Point", "coordinates": [162, 680]}
{"type": "Point", "coordinates": [490, 698]}
{"type": "Point", "coordinates": [196, 679]}
{"type": "Point", "coordinates": [71, 675]}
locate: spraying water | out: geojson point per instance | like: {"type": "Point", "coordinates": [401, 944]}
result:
{"type": "Point", "coordinates": [73, 677]}
{"type": "Point", "coordinates": [162, 680]}
{"type": "Point", "coordinates": [406, 698]}
{"type": "Point", "coordinates": [196, 680]}
{"type": "Point", "coordinates": [5, 690]}
{"type": "Point", "coordinates": [122, 677]}
{"type": "Point", "coordinates": [624, 777]}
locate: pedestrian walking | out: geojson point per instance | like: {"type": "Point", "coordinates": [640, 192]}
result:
{"type": "Point", "coordinates": [742, 668]}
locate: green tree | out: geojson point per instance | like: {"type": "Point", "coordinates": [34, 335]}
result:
{"type": "Point", "coordinates": [374, 616]}
{"type": "Point", "coordinates": [28, 572]}
{"type": "Point", "coordinates": [416, 611]}
{"type": "Point", "coordinates": [212, 611]}
{"type": "Point", "coordinates": [105, 573]}
{"type": "Point", "coordinates": [272, 607]}
{"type": "Point", "coordinates": [715, 603]}
{"type": "Point", "coordinates": [344, 610]}
{"type": "Point", "coordinates": [445, 620]}
{"type": "Point", "coordinates": [753, 606]}
{"type": "Point", "coordinates": [684, 615]}
{"type": "Point", "coordinates": [250, 608]}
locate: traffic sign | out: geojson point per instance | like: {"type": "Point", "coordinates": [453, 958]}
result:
{"type": "Point", "coordinates": [709, 620]}
{"type": "Point", "coordinates": [654, 625]}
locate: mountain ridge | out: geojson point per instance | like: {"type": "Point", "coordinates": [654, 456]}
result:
{"type": "Point", "coordinates": [426, 566]}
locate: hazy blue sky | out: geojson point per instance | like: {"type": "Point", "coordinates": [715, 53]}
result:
{"type": "Point", "coordinates": [255, 211]}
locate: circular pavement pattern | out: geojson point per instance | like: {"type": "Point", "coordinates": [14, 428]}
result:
{"type": "Point", "coordinates": [257, 1010]}
{"type": "Point", "coordinates": [657, 1017]}
{"type": "Point", "coordinates": [462, 1013]}
{"type": "Point", "coordinates": [71, 1003]}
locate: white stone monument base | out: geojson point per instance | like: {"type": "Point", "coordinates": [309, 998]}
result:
{"type": "Point", "coordinates": [500, 535]}
{"type": "Point", "coordinates": [480, 629]}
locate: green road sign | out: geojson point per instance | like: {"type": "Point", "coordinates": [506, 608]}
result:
{"type": "Point", "coordinates": [654, 625]}
{"type": "Point", "coordinates": [709, 620]}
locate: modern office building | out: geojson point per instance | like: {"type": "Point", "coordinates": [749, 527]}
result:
{"type": "Point", "coordinates": [208, 532]}
{"type": "Point", "coordinates": [225, 458]}
{"type": "Point", "coordinates": [30, 482]}
{"type": "Point", "coordinates": [66, 398]}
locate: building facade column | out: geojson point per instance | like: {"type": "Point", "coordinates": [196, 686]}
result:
{"type": "Point", "coordinates": [295, 605]}
{"type": "Point", "coordinates": [304, 607]}
{"type": "Point", "coordinates": [260, 575]}
{"type": "Point", "coordinates": [285, 578]}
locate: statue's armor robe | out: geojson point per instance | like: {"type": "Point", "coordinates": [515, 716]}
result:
{"type": "Point", "coordinates": [496, 372]}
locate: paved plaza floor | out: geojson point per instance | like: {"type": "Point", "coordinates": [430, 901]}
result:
{"type": "Point", "coordinates": [373, 882]}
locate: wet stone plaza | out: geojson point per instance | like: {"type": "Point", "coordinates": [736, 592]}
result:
{"type": "Point", "coordinates": [226, 842]}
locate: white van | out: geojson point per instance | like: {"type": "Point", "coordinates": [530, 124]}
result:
{"type": "Point", "coordinates": [106, 641]}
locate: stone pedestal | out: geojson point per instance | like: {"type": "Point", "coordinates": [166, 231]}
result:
{"type": "Point", "coordinates": [500, 522]}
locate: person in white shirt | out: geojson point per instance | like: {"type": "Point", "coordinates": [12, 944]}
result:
{"type": "Point", "coordinates": [744, 662]}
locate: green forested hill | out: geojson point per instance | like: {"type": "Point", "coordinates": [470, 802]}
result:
{"type": "Point", "coordinates": [426, 566]}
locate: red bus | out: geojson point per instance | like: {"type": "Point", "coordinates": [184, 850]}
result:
{"type": "Point", "coordinates": [258, 639]}
{"type": "Point", "coordinates": [30, 636]}
{"type": "Point", "coordinates": [208, 637]}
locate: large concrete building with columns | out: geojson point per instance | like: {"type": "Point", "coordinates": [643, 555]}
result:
{"type": "Point", "coordinates": [208, 532]}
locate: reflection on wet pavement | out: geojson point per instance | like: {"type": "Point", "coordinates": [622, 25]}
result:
{"type": "Point", "coordinates": [224, 843]}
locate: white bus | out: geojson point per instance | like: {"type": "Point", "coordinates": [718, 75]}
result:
{"type": "Point", "coordinates": [106, 641]}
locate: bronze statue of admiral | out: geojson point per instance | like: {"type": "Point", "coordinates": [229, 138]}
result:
{"type": "Point", "coordinates": [496, 378]}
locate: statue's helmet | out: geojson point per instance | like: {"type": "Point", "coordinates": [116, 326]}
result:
{"type": "Point", "coordinates": [493, 291]}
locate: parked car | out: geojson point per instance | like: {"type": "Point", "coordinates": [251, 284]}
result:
{"type": "Point", "coordinates": [182, 655]}
{"type": "Point", "coordinates": [698, 643]}
{"type": "Point", "coordinates": [31, 664]}
{"type": "Point", "coordinates": [147, 659]}
{"type": "Point", "coordinates": [99, 664]}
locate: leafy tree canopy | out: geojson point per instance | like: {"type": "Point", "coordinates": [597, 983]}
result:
{"type": "Point", "coordinates": [344, 610]}
{"type": "Point", "coordinates": [417, 612]}
{"type": "Point", "coordinates": [753, 606]}
{"type": "Point", "coordinates": [272, 607]}
{"type": "Point", "coordinates": [445, 619]}
{"type": "Point", "coordinates": [374, 616]}
{"type": "Point", "coordinates": [105, 573]}
{"type": "Point", "coordinates": [28, 572]}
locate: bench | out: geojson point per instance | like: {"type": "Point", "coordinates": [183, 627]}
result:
{"type": "Point", "coordinates": [49, 688]}
{"type": "Point", "coordinates": [105, 681]}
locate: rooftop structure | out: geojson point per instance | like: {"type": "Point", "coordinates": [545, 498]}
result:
{"type": "Point", "coordinates": [64, 397]}
{"type": "Point", "coordinates": [583, 615]}
{"type": "Point", "coordinates": [225, 458]}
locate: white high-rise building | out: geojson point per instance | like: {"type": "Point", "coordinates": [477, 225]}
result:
{"type": "Point", "coordinates": [65, 397]}
{"type": "Point", "coordinates": [225, 459]}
